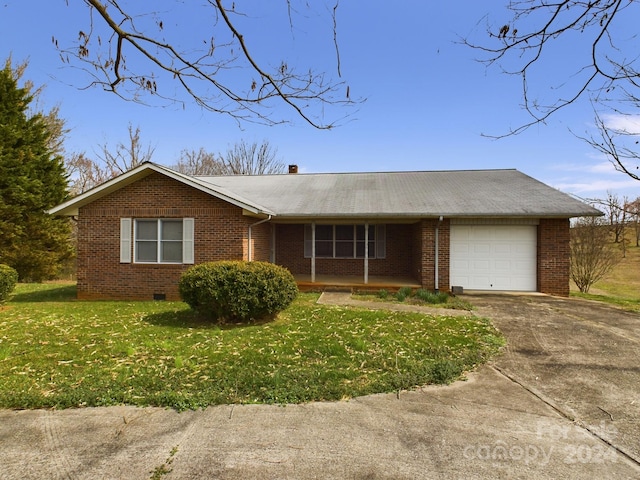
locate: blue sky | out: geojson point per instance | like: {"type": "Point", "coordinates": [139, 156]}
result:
{"type": "Point", "coordinates": [428, 101]}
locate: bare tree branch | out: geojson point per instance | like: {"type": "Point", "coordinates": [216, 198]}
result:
{"type": "Point", "coordinates": [125, 157]}
{"type": "Point", "coordinates": [135, 54]}
{"type": "Point", "coordinates": [200, 162]}
{"type": "Point", "coordinates": [252, 159]}
{"type": "Point", "coordinates": [536, 31]}
{"type": "Point", "coordinates": [241, 159]}
{"type": "Point", "coordinates": [592, 255]}
{"type": "Point", "coordinates": [611, 143]}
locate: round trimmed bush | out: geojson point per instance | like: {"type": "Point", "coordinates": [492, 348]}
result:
{"type": "Point", "coordinates": [8, 281]}
{"type": "Point", "coordinates": [237, 291]}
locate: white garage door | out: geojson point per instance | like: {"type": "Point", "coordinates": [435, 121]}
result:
{"type": "Point", "coordinates": [493, 257]}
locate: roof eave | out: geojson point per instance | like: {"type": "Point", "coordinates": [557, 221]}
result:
{"type": "Point", "coordinates": [71, 207]}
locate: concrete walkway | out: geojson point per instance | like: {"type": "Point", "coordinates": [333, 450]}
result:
{"type": "Point", "coordinates": [561, 402]}
{"type": "Point", "coordinates": [347, 299]}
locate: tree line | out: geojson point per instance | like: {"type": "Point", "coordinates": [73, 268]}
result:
{"type": "Point", "coordinates": [598, 244]}
{"type": "Point", "coordinates": [243, 158]}
{"type": "Point", "coordinates": [36, 174]}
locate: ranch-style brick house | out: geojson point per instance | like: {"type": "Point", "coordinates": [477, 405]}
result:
{"type": "Point", "coordinates": [489, 230]}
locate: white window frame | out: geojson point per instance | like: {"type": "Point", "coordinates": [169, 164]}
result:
{"type": "Point", "coordinates": [129, 240]}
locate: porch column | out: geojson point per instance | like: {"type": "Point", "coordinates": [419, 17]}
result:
{"type": "Point", "coordinates": [366, 253]}
{"type": "Point", "coordinates": [313, 252]}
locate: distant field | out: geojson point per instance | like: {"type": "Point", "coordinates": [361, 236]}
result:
{"type": "Point", "coordinates": [621, 285]}
{"type": "Point", "coordinates": [624, 280]}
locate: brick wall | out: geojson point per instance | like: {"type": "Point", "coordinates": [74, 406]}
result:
{"type": "Point", "coordinates": [553, 256]}
{"type": "Point", "coordinates": [261, 241]}
{"type": "Point", "coordinates": [424, 256]}
{"type": "Point", "coordinates": [290, 254]}
{"type": "Point", "coordinates": [220, 234]}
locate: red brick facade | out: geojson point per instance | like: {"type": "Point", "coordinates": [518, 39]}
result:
{"type": "Point", "coordinates": [222, 233]}
{"type": "Point", "coordinates": [554, 261]}
{"type": "Point", "coordinates": [398, 261]}
{"type": "Point", "coordinates": [424, 253]}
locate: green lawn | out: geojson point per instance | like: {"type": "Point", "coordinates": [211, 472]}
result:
{"type": "Point", "coordinates": [59, 352]}
{"type": "Point", "coordinates": [621, 286]}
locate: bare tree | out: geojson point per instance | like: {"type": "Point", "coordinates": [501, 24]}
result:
{"type": "Point", "coordinates": [252, 159]}
{"type": "Point", "coordinates": [615, 214]}
{"type": "Point", "coordinates": [124, 157]}
{"type": "Point", "coordinates": [605, 62]}
{"type": "Point", "coordinates": [241, 159]}
{"type": "Point", "coordinates": [618, 144]}
{"type": "Point", "coordinates": [633, 210]}
{"type": "Point", "coordinates": [86, 173]}
{"type": "Point", "coordinates": [138, 53]}
{"type": "Point", "coordinates": [592, 255]}
{"type": "Point", "coordinates": [200, 162]}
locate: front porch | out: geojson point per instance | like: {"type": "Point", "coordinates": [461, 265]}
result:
{"type": "Point", "coordinates": [354, 282]}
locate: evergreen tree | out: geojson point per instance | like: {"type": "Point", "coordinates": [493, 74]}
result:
{"type": "Point", "coordinates": [32, 180]}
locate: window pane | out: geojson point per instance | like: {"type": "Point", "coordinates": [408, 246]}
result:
{"type": "Point", "coordinates": [360, 250]}
{"type": "Point", "coordinates": [344, 232]}
{"type": "Point", "coordinates": [146, 230]}
{"type": "Point", "coordinates": [360, 232]}
{"type": "Point", "coordinates": [171, 252]}
{"type": "Point", "coordinates": [324, 232]}
{"type": "Point", "coordinates": [324, 249]}
{"type": "Point", "coordinates": [146, 251]}
{"type": "Point", "coordinates": [172, 230]}
{"type": "Point", "coordinates": [344, 249]}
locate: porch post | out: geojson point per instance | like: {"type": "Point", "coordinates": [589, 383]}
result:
{"type": "Point", "coordinates": [313, 252]}
{"type": "Point", "coordinates": [366, 253]}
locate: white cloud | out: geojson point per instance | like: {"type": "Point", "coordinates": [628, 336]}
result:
{"type": "Point", "coordinates": [624, 123]}
{"type": "Point", "coordinates": [598, 187]}
{"type": "Point", "coordinates": [602, 167]}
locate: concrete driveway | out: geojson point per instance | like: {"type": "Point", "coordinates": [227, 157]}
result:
{"type": "Point", "coordinates": [561, 402]}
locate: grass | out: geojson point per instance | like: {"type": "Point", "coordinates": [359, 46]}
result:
{"type": "Point", "coordinates": [59, 352]}
{"type": "Point", "coordinates": [418, 297]}
{"type": "Point", "coordinates": [621, 287]}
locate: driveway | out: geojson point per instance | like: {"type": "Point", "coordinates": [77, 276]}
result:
{"type": "Point", "coordinates": [581, 357]}
{"type": "Point", "coordinates": [561, 402]}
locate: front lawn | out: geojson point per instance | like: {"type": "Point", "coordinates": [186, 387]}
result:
{"type": "Point", "coordinates": [59, 352]}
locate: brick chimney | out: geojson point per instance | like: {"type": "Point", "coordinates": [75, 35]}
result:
{"type": "Point", "coordinates": [293, 168]}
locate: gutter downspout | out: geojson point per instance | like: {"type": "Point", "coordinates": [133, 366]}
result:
{"type": "Point", "coordinates": [366, 253]}
{"type": "Point", "coordinates": [437, 246]}
{"type": "Point", "coordinates": [249, 249]}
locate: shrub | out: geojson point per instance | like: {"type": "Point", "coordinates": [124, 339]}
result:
{"type": "Point", "coordinates": [403, 293]}
{"type": "Point", "coordinates": [237, 291]}
{"type": "Point", "coordinates": [431, 297]}
{"type": "Point", "coordinates": [8, 281]}
{"type": "Point", "coordinates": [383, 294]}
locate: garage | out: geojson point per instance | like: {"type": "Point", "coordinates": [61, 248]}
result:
{"type": "Point", "coordinates": [494, 257]}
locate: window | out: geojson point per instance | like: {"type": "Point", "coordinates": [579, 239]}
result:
{"type": "Point", "coordinates": [345, 241]}
{"type": "Point", "coordinates": [157, 240]}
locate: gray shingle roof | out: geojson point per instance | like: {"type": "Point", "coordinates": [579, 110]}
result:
{"type": "Point", "coordinates": [464, 193]}
{"type": "Point", "coordinates": [467, 193]}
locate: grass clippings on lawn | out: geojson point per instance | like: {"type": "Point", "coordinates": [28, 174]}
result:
{"type": "Point", "coordinates": [59, 352]}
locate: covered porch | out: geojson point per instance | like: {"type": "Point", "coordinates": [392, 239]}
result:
{"type": "Point", "coordinates": [356, 256]}
{"type": "Point", "coordinates": [354, 282]}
